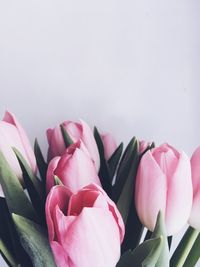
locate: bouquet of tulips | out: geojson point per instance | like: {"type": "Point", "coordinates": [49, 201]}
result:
{"type": "Point", "coordinates": [91, 203]}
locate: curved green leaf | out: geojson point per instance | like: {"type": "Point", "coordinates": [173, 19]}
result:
{"type": "Point", "coordinates": [194, 254]}
{"type": "Point", "coordinates": [158, 231]}
{"type": "Point", "coordinates": [67, 139]}
{"type": "Point", "coordinates": [104, 174]}
{"type": "Point", "coordinates": [114, 160]}
{"type": "Point", "coordinates": [41, 163]}
{"type": "Point", "coordinates": [27, 171]}
{"type": "Point", "coordinates": [145, 255]}
{"type": "Point", "coordinates": [34, 239]}
{"type": "Point", "coordinates": [16, 198]}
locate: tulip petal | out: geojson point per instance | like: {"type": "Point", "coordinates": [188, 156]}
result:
{"type": "Point", "coordinates": [50, 173]}
{"type": "Point", "coordinates": [76, 171]}
{"type": "Point", "coordinates": [56, 142]}
{"type": "Point", "coordinates": [90, 143]}
{"type": "Point", "coordinates": [10, 138]}
{"type": "Point", "coordinates": [59, 195]}
{"type": "Point", "coordinates": [93, 238]}
{"type": "Point", "coordinates": [59, 253]}
{"type": "Point", "coordinates": [179, 196]}
{"type": "Point", "coordinates": [10, 118]}
{"type": "Point", "coordinates": [151, 189]}
{"type": "Point", "coordinates": [73, 129]}
{"type": "Point", "coordinates": [195, 166]}
{"type": "Point", "coordinates": [109, 145]}
{"type": "Point", "coordinates": [194, 220]}
{"type": "Point", "coordinates": [166, 159]}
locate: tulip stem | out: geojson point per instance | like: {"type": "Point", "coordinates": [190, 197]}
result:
{"type": "Point", "coordinates": [184, 247]}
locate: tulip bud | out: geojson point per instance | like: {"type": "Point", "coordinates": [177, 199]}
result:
{"type": "Point", "coordinates": [85, 229]}
{"type": "Point", "coordinates": [194, 219]}
{"type": "Point", "coordinates": [75, 168]}
{"type": "Point", "coordinates": [13, 135]}
{"type": "Point", "coordinates": [164, 183]}
{"type": "Point", "coordinates": [77, 132]}
{"type": "Point", "coordinates": [109, 145]}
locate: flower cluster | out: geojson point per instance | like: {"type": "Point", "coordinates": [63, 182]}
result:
{"type": "Point", "coordinates": [91, 203]}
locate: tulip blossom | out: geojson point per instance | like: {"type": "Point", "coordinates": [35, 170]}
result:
{"type": "Point", "coordinates": [194, 219]}
{"type": "Point", "coordinates": [77, 131]}
{"type": "Point", "coordinates": [109, 145]}
{"type": "Point", "coordinates": [85, 229]}
{"type": "Point", "coordinates": [75, 168]}
{"type": "Point", "coordinates": [164, 183]}
{"type": "Point", "coordinates": [13, 135]}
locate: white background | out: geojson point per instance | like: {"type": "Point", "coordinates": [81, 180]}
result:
{"type": "Point", "coordinates": [131, 67]}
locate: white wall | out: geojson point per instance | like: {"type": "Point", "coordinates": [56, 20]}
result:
{"type": "Point", "coordinates": [130, 67]}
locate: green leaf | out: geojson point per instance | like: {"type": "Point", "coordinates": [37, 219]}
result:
{"type": "Point", "coordinates": [67, 139]}
{"type": "Point", "coordinates": [8, 257]}
{"type": "Point", "coordinates": [183, 250]}
{"type": "Point", "coordinates": [41, 163]}
{"type": "Point", "coordinates": [103, 172]}
{"type": "Point", "coordinates": [34, 239]}
{"type": "Point", "coordinates": [28, 173]}
{"type": "Point", "coordinates": [16, 199]}
{"type": "Point", "coordinates": [9, 236]}
{"type": "Point", "coordinates": [114, 160]}
{"type": "Point", "coordinates": [132, 238]}
{"type": "Point", "coordinates": [57, 180]}
{"type": "Point", "coordinates": [34, 187]}
{"type": "Point", "coordinates": [194, 254]}
{"type": "Point", "coordinates": [129, 157]}
{"type": "Point", "coordinates": [158, 231]}
{"type": "Point", "coordinates": [124, 186]}
{"type": "Point", "coordinates": [144, 255]}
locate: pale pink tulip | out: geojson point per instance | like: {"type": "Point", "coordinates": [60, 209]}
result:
{"type": "Point", "coordinates": [85, 229]}
{"type": "Point", "coordinates": [109, 145]}
{"type": "Point", "coordinates": [164, 183]}
{"type": "Point", "coordinates": [13, 135]}
{"type": "Point", "coordinates": [77, 131]}
{"type": "Point", "coordinates": [194, 219]}
{"type": "Point", "coordinates": [75, 168]}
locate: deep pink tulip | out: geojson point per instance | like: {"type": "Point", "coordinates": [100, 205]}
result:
{"type": "Point", "coordinates": [85, 229]}
{"type": "Point", "coordinates": [164, 183]}
{"type": "Point", "coordinates": [109, 145]}
{"type": "Point", "coordinates": [194, 219]}
{"type": "Point", "coordinates": [75, 168]}
{"type": "Point", "coordinates": [13, 135]}
{"type": "Point", "coordinates": [77, 131]}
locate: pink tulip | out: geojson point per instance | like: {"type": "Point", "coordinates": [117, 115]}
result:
{"type": "Point", "coordinates": [85, 229]}
{"type": "Point", "coordinates": [194, 219]}
{"type": "Point", "coordinates": [13, 135]}
{"type": "Point", "coordinates": [164, 183]}
{"type": "Point", "coordinates": [75, 168]}
{"type": "Point", "coordinates": [77, 131]}
{"type": "Point", "coordinates": [109, 145]}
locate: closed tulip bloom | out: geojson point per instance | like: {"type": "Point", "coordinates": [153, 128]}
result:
{"type": "Point", "coordinates": [164, 183]}
{"type": "Point", "coordinates": [13, 135]}
{"type": "Point", "coordinates": [75, 168]}
{"type": "Point", "coordinates": [85, 229]}
{"type": "Point", "coordinates": [194, 220]}
{"type": "Point", "coordinates": [77, 131]}
{"type": "Point", "coordinates": [109, 145]}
